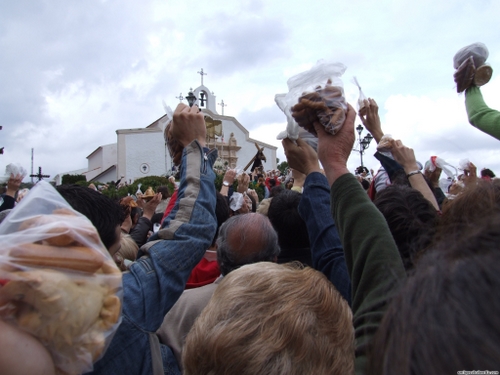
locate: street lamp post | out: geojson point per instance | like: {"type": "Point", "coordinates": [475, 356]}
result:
{"type": "Point", "coordinates": [363, 143]}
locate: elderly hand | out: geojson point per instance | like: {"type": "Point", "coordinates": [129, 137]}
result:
{"type": "Point", "coordinates": [301, 156]}
{"type": "Point", "coordinates": [404, 156]}
{"type": "Point", "coordinates": [470, 175]}
{"type": "Point", "coordinates": [188, 125]}
{"type": "Point", "coordinates": [243, 182]}
{"type": "Point", "coordinates": [370, 118]}
{"type": "Point", "coordinates": [229, 176]}
{"type": "Point", "coordinates": [254, 195]}
{"type": "Point", "coordinates": [334, 150]}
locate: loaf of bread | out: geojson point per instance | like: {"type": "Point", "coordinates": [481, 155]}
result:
{"type": "Point", "coordinates": [324, 105]}
{"type": "Point", "coordinates": [63, 288]}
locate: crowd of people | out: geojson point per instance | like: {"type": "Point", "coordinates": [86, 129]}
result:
{"type": "Point", "coordinates": [318, 271]}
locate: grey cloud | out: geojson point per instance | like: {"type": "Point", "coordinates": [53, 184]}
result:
{"type": "Point", "coordinates": [254, 119]}
{"type": "Point", "coordinates": [243, 41]}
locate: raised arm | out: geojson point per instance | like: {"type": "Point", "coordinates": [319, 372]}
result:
{"type": "Point", "coordinates": [156, 281]}
{"type": "Point", "coordinates": [370, 119]}
{"type": "Point", "coordinates": [372, 257]}
{"type": "Point", "coordinates": [480, 115]}
{"type": "Point", "coordinates": [406, 157]}
{"type": "Point", "coordinates": [314, 208]}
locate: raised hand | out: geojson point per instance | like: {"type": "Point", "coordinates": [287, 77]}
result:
{"type": "Point", "coordinates": [334, 150]}
{"type": "Point", "coordinates": [301, 156]}
{"type": "Point", "coordinates": [370, 118]}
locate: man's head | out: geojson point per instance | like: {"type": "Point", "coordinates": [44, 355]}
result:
{"type": "Point", "coordinates": [105, 214]}
{"type": "Point", "coordinates": [245, 239]}
{"type": "Point", "coordinates": [292, 231]}
{"type": "Point", "coordinates": [272, 319]}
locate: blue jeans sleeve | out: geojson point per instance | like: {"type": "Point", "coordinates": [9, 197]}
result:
{"type": "Point", "coordinates": [326, 248]}
{"type": "Point", "coordinates": [156, 280]}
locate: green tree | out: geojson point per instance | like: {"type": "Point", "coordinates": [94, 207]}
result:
{"type": "Point", "coordinates": [72, 178]}
{"type": "Point", "coordinates": [283, 167]}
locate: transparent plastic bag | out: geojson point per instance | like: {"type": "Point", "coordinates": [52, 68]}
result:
{"type": "Point", "coordinates": [13, 169]}
{"type": "Point", "coordinates": [463, 164]}
{"type": "Point", "coordinates": [362, 97]}
{"type": "Point", "coordinates": [385, 144]}
{"type": "Point", "coordinates": [438, 162]}
{"type": "Point", "coordinates": [478, 51]}
{"type": "Point", "coordinates": [57, 280]}
{"type": "Point", "coordinates": [314, 95]}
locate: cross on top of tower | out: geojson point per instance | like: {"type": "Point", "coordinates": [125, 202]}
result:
{"type": "Point", "coordinates": [39, 175]}
{"type": "Point", "coordinates": [201, 73]}
{"type": "Point", "coordinates": [180, 97]}
{"type": "Point", "coordinates": [222, 104]}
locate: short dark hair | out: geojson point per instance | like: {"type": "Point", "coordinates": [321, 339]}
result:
{"type": "Point", "coordinates": [444, 318]}
{"type": "Point", "coordinates": [291, 228]}
{"type": "Point", "coordinates": [258, 242]}
{"type": "Point", "coordinates": [221, 212]}
{"type": "Point", "coordinates": [276, 190]}
{"type": "Point", "coordinates": [411, 218]}
{"type": "Point", "coordinates": [104, 213]}
{"type": "Point", "coordinates": [487, 172]}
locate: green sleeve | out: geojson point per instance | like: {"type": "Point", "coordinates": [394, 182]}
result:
{"type": "Point", "coordinates": [373, 260]}
{"type": "Point", "coordinates": [480, 115]}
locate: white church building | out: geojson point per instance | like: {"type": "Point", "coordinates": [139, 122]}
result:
{"type": "Point", "coordinates": [143, 152]}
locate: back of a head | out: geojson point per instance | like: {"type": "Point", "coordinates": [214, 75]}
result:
{"type": "Point", "coordinates": [246, 239]}
{"type": "Point", "coordinates": [292, 231]}
{"type": "Point", "coordinates": [485, 172]}
{"type": "Point", "coordinates": [104, 213]}
{"type": "Point", "coordinates": [221, 212]}
{"type": "Point", "coordinates": [272, 319]}
{"type": "Point", "coordinates": [276, 190]}
{"type": "Point", "coordinates": [472, 205]}
{"type": "Point", "coordinates": [411, 218]}
{"type": "Point", "coordinates": [445, 319]}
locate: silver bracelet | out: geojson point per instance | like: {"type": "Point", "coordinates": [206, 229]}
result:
{"type": "Point", "coordinates": [413, 173]}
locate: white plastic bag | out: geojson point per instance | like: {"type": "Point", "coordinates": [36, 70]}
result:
{"type": "Point", "coordinates": [362, 97]}
{"type": "Point", "coordinates": [478, 51]}
{"type": "Point", "coordinates": [438, 162]}
{"type": "Point", "coordinates": [13, 169]}
{"type": "Point", "coordinates": [314, 95]}
{"type": "Point", "coordinates": [57, 280]}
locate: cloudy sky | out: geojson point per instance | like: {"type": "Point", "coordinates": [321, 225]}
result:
{"type": "Point", "coordinates": [72, 72]}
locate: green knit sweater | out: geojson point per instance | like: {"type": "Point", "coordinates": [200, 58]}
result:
{"type": "Point", "coordinates": [372, 258]}
{"type": "Point", "coordinates": [480, 115]}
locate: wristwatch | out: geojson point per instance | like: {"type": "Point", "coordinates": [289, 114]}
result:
{"type": "Point", "coordinates": [225, 183]}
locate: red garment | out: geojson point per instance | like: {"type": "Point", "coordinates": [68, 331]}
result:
{"type": "Point", "coordinates": [205, 272]}
{"type": "Point", "coordinates": [268, 185]}
{"type": "Point", "coordinates": [171, 204]}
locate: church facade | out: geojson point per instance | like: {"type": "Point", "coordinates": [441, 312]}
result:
{"type": "Point", "coordinates": [141, 152]}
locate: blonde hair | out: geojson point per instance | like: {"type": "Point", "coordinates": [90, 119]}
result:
{"type": "Point", "coordinates": [128, 250]}
{"type": "Point", "coordinates": [268, 318]}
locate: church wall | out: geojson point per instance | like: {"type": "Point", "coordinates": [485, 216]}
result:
{"type": "Point", "coordinates": [100, 160]}
{"type": "Point", "coordinates": [145, 155]}
{"type": "Point", "coordinates": [95, 160]}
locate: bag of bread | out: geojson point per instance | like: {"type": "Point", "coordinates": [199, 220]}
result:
{"type": "Point", "coordinates": [57, 280]}
{"type": "Point", "coordinates": [316, 95]}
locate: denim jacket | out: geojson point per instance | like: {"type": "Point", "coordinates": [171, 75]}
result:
{"type": "Point", "coordinates": [326, 249]}
{"type": "Point", "coordinates": [156, 281]}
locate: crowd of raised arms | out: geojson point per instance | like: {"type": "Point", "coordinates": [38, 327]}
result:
{"type": "Point", "coordinates": [317, 270]}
